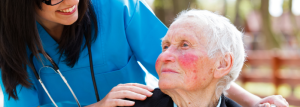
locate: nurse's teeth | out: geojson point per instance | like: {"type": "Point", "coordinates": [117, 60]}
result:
{"type": "Point", "coordinates": [68, 10]}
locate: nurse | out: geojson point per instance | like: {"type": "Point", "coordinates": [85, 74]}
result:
{"type": "Point", "coordinates": [94, 43]}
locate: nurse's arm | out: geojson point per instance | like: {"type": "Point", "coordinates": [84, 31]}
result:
{"type": "Point", "coordinates": [246, 99]}
{"type": "Point", "coordinates": [144, 33]}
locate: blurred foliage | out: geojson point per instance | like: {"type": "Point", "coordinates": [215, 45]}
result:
{"type": "Point", "coordinates": [238, 11]}
{"type": "Point", "coordinates": [166, 10]}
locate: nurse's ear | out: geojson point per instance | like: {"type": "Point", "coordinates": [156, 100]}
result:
{"type": "Point", "coordinates": [223, 65]}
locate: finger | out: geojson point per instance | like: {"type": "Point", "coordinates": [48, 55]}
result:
{"type": "Point", "coordinates": [273, 105]}
{"type": "Point", "coordinates": [261, 105]}
{"type": "Point", "coordinates": [120, 102]}
{"type": "Point", "coordinates": [267, 105]}
{"type": "Point", "coordinates": [280, 102]}
{"type": "Point", "coordinates": [264, 105]}
{"type": "Point", "coordinates": [127, 94]}
{"type": "Point", "coordinates": [139, 85]}
{"type": "Point", "coordinates": [286, 104]}
{"type": "Point", "coordinates": [133, 89]}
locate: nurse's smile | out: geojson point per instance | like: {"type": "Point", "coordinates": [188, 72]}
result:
{"type": "Point", "coordinates": [64, 13]}
{"type": "Point", "coordinates": [54, 17]}
{"type": "Point", "coordinates": [67, 11]}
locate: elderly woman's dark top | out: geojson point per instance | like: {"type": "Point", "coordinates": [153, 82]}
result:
{"type": "Point", "coordinates": [159, 99]}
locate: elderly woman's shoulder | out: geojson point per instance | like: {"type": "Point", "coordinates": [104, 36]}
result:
{"type": "Point", "coordinates": [227, 102]}
{"type": "Point", "coordinates": [158, 99]}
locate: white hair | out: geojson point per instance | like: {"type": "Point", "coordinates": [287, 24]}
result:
{"type": "Point", "coordinates": [222, 37]}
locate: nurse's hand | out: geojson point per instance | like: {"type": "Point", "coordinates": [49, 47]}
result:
{"type": "Point", "coordinates": [130, 90]}
{"type": "Point", "coordinates": [277, 100]}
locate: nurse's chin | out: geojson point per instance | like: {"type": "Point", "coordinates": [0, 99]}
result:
{"type": "Point", "coordinates": [69, 21]}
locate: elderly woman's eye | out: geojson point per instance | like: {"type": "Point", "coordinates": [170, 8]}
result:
{"type": "Point", "coordinates": [185, 45]}
{"type": "Point", "coordinates": [165, 47]}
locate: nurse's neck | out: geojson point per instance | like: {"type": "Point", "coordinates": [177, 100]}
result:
{"type": "Point", "coordinates": [54, 29]}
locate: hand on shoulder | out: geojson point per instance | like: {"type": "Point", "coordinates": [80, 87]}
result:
{"type": "Point", "coordinates": [130, 90]}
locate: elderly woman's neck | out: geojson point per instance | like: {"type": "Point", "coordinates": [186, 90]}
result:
{"type": "Point", "coordinates": [199, 98]}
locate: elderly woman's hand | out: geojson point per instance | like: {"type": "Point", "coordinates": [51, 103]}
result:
{"type": "Point", "coordinates": [277, 100]}
{"type": "Point", "coordinates": [117, 95]}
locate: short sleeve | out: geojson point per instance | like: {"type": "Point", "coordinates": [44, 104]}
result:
{"type": "Point", "coordinates": [144, 33]}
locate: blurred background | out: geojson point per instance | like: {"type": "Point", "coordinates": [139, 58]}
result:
{"type": "Point", "coordinates": [271, 37]}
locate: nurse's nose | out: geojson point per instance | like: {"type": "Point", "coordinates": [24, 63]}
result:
{"type": "Point", "coordinates": [169, 55]}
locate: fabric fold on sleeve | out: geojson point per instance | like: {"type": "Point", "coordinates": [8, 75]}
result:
{"type": "Point", "coordinates": [144, 33]}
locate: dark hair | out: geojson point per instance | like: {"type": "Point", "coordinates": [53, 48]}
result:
{"type": "Point", "coordinates": [18, 31]}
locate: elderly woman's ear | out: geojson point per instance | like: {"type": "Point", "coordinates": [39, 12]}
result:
{"type": "Point", "coordinates": [223, 65]}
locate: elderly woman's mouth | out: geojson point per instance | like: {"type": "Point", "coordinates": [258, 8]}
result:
{"type": "Point", "coordinates": [168, 71]}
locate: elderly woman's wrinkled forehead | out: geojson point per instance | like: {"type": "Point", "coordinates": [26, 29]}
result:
{"type": "Point", "coordinates": [186, 27]}
{"type": "Point", "coordinates": [188, 22]}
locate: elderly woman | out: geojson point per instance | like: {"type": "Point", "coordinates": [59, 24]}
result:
{"type": "Point", "coordinates": [202, 53]}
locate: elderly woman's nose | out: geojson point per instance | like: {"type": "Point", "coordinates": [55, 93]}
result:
{"type": "Point", "coordinates": [168, 55]}
{"type": "Point", "coordinates": [168, 58]}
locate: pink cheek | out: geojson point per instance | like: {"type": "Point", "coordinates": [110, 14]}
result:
{"type": "Point", "coordinates": [158, 61]}
{"type": "Point", "coordinates": [195, 78]}
{"type": "Point", "coordinates": [157, 64]}
{"type": "Point", "coordinates": [194, 75]}
{"type": "Point", "coordinates": [188, 62]}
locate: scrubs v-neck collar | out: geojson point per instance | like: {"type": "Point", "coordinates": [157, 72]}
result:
{"type": "Point", "coordinates": [49, 44]}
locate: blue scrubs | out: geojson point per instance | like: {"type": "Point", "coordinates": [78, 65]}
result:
{"type": "Point", "coordinates": [128, 32]}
